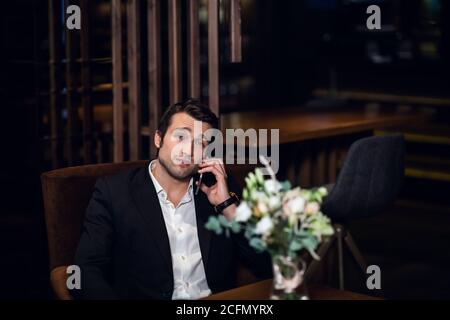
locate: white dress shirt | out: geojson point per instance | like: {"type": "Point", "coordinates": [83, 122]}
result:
{"type": "Point", "coordinates": [181, 224]}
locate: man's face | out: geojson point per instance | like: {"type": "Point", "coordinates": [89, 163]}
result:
{"type": "Point", "coordinates": [182, 146]}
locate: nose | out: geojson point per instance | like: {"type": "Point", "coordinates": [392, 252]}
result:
{"type": "Point", "coordinates": [185, 151]}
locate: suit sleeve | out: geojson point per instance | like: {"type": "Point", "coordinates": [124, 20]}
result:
{"type": "Point", "coordinates": [259, 263]}
{"type": "Point", "coordinates": [94, 252]}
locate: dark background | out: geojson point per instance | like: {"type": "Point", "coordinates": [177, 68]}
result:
{"type": "Point", "coordinates": [294, 52]}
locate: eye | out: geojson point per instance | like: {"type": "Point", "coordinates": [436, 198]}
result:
{"type": "Point", "coordinates": [179, 136]}
{"type": "Point", "coordinates": [201, 142]}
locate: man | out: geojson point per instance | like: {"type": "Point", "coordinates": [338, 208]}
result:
{"type": "Point", "coordinates": [144, 233]}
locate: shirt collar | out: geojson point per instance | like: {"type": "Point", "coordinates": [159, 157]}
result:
{"type": "Point", "coordinates": [159, 189]}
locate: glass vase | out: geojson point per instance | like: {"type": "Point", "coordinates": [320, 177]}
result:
{"type": "Point", "coordinates": [288, 278]}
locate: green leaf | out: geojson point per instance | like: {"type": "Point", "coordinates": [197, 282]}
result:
{"type": "Point", "coordinates": [258, 244]}
{"type": "Point", "coordinates": [249, 232]}
{"type": "Point", "coordinates": [223, 221]}
{"type": "Point", "coordinates": [259, 176]}
{"type": "Point", "coordinates": [235, 227]}
{"type": "Point", "coordinates": [296, 245]}
{"type": "Point", "coordinates": [285, 185]}
{"type": "Point", "coordinates": [310, 242]}
{"type": "Point", "coordinates": [245, 194]}
{"type": "Point", "coordinates": [213, 224]}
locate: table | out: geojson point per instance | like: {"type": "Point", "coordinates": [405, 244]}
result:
{"type": "Point", "coordinates": [261, 291]}
{"type": "Point", "coordinates": [297, 124]}
{"type": "Point", "coordinates": [314, 141]}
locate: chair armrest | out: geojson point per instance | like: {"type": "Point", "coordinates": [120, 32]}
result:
{"type": "Point", "coordinates": [58, 278]}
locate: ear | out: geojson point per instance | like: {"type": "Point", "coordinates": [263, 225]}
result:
{"type": "Point", "coordinates": [157, 139]}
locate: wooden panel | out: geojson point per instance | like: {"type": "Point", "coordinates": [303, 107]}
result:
{"type": "Point", "coordinates": [332, 164]}
{"type": "Point", "coordinates": [38, 67]}
{"type": "Point", "coordinates": [71, 112]}
{"type": "Point", "coordinates": [55, 83]}
{"type": "Point", "coordinates": [193, 50]}
{"type": "Point", "coordinates": [154, 63]}
{"type": "Point", "coordinates": [175, 65]}
{"type": "Point", "coordinates": [320, 168]}
{"type": "Point", "coordinates": [86, 90]}
{"type": "Point", "coordinates": [213, 55]}
{"type": "Point", "coordinates": [116, 34]}
{"type": "Point", "coordinates": [134, 79]}
{"type": "Point", "coordinates": [305, 172]}
{"type": "Point", "coordinates": [235, 31]}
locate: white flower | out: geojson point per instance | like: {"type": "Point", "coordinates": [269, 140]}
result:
{"type": "Point", "coordinates": [262, 207]}
{"type": "Point", "coordinates": [312, 208]}
{"type": "Point", "coordinates": [286, 211]}
{"type": "Point", "coordinates": [243, 212]}
{"type": "Point", "coordinates": [272, 186]}
{"type": "Point", "coordinates": [264, 225]}
{"type": "Point", "coordinates": [274, 202]}
{"type": "Point", "coordinates": [296, 205]}
{"type": "Point", "coordinates": [258, 196]}
{"type": "Point", "coordinates": [291, 194]}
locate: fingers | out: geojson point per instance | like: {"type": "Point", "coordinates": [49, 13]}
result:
{"type": "Point", "coordinates": [214, 170]}
{"type": "Point", "coordinates": [215, 162]}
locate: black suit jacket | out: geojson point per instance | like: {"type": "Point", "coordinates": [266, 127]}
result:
{"type": "Point", "coordinates": [124, 251]}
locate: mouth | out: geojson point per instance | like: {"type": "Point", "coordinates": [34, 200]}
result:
{"type": "Point", "coordinates": [184, 162]}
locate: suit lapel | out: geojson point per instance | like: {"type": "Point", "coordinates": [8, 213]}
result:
{"type": "Point", "coordinates": [146, 199]}
{"type": "Point", "coordinates": [203, 210]}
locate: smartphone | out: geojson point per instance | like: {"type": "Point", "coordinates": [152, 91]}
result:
{"type": "Point", "coordinates": [207, 178]}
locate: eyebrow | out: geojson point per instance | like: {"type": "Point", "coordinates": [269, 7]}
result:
{"type": "Point", "coordinates": [183, 128]}
{"type": "Point", "coordinates": [190, 130]}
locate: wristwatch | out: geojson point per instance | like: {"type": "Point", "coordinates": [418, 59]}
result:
{"type": "Point", "coordinates": [231, 200]}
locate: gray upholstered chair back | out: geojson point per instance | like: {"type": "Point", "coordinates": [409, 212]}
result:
{"type": "Point", "coordinates": [370, 178]}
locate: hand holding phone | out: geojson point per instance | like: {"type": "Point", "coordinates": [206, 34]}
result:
{"type": "Point", "coordinates": [207, 178]}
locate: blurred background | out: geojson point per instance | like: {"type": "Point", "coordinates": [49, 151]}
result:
{"type": "Point", "coordinates": [305, 56]}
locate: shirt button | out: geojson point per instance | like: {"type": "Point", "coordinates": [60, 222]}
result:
{"type": "Point", "coordinates": [183, 258]}
{"type": "Point", "coordinates": [180, 230]}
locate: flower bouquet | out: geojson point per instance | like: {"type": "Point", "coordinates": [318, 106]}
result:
{"type": "Point", "coordinates": [281, 220]}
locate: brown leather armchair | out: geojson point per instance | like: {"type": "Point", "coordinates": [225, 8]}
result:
{"type": "Point", "coordinates": [66, 193]}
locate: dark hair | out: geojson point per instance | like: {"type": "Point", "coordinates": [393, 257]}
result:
{"type": "Point", "coordinates": [193, 108]}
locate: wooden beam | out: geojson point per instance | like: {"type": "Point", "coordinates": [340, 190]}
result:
{"type": "Point", "coordinates": [320, 165]}
{"type": "Point", "coordinates": [154, 69]}
{"type": "Point", "coordinates": [134, 76]}
{"type": "Point", "coordinates": [175, 64]}
{"type": "Point", "coordinates": [306, 165]}
{"type": "Point", "coordinates": [55, 84]}
{"type": "Point", "coordinates": [193, 50]}
{"type": "Point", "coordinates": [37, 145]}
{"type": "Point", "coordinates": [116, 34]}
{"type": "Point", "coordinates": [86, 83]}
{"type": "Point", "coordinates": [71, 112]}
{"type": "Point", "coordinates": [332, 163]}
{"type": "Point", "coordinates": [235, 31]}
{"type": "Point", "coordinates": [213, 55]}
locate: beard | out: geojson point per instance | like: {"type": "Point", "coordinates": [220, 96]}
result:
{"type": "Point", "coordinates": [178, 172]}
